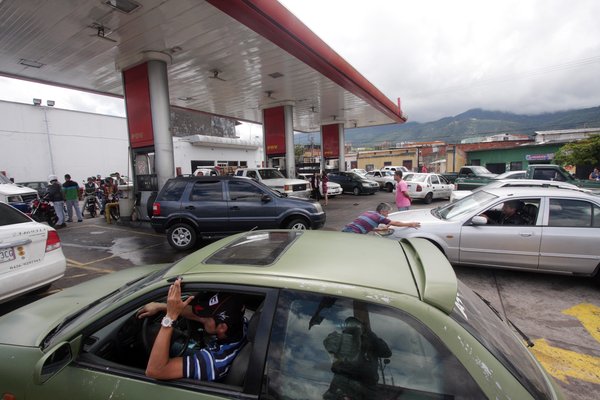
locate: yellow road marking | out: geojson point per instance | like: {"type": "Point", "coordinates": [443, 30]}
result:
{"type": "Point", "coordinates": [563, 364]}
{"type": "Point", "coordinates": [589, 316]}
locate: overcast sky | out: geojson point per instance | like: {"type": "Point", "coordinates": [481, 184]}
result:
{"type": "Point", "coordinates": [443, 57]}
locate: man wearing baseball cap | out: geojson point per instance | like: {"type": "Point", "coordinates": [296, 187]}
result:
{"type": "Point", "coordinates": [222, 315]}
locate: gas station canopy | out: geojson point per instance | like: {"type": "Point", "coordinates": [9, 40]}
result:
{"type": "Point", "coordinates": [231, 58]}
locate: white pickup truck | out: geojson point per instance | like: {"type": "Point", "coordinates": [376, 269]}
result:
{"type": "Point", "coordinates": [275, 180]}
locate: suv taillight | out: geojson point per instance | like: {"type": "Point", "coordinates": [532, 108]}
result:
{"type": "Point", "coordinates": [156, 209]}
{"type": "Point", "coordinates": [52, 241]}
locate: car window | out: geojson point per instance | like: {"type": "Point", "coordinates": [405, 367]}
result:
{"type": "Point", "coordinates": [573, 213]}
{"type": "Point", "coordinates": [334, 348]}
{"type": "Point", "coordinates": [244, 191]}
{"type": "Point", "coordinates": [526, 213]}
{"type": "Point", "coordinates": [207, 191]}
{"type": "Point", "coordinates": [492, 332]}
{"type": "Point", "coordinates": [173, 190]}
{"type": "Point", "coordinates": [9, 216]}
{"type": "Point", "coordinates": [271, 174]}
{"type": "Point", "coordinates": [443, 180]}
{"type": "Point", "coordinates": [434, 180]}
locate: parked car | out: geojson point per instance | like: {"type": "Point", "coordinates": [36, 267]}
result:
{"type": "Point", "coordinates": [206, 171]}
{"type": "Point", "coordinates": [274, 179]}
{"type": "Point", "coordinates": [31, 256]}
{"type": "Point", "coordinates": [428, 186]}
{"type": "Point", "coordinates": [40, 186]}
{"type": "Point", "coordinates": [497, 183]}
{"type": "Point", "coordinates": [333, 189]}
{"type": "Point", "coordinates": [344, 323]}
{"type": "Point", "coordinates": [354, 183]}
{"type": "Point", "coordinates": [384, 178]}
{"type": "Point", "coordinates": [19, 197]}
{"type": "Point", "coordinates": [206, 207]}
{"type": "Point", "coordinates": [559, 233]}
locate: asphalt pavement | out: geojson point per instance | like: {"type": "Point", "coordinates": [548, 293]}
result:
{"type": "Point", "coordinates": [560, 314]}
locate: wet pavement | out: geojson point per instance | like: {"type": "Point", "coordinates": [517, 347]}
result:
{"type": "Point", "coordinates": [560, 314]}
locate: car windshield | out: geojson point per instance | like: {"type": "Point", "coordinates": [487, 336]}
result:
{"type": "Point", "coordinates": [479, 170]}
{"type": "Point", "coordinates": [416, 177]}
{"type": "Point", "coordinates": [493, 333]}
{"type": "Point", "coordinates": [105, 301]}
{"type": "Point", "coordinates": [4, 179]}
{"type": "Point", "coordinates": [270, 174]}
{"type": "Point", "coordinates": [466, 205]}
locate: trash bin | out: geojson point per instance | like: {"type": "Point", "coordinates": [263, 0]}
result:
{"type": "Point", "coordinates": [126, 201]}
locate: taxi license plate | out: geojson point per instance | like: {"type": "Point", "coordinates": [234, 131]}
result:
{"type": "Point", "coordinates": [7, 255]}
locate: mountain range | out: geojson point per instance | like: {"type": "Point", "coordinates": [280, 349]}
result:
{"type": "Point", "coordinates": [470, 124]}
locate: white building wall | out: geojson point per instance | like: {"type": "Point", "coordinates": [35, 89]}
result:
{"type": "Point", "coordinates": [36, 141]}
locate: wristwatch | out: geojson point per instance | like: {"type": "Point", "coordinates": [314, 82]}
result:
{"type": "Point", "coordinates": [167, 322]}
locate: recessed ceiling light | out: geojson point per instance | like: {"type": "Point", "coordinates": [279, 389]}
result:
{"type": "Point", "coordinates": [31, 63]}
{"type": "Point", "coordinates": [126, 6]}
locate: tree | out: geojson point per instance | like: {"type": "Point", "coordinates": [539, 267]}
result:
{"type": "Point", "coordinates": [299, 152]}
{"type": "Point", "coordinates": [583, 152]}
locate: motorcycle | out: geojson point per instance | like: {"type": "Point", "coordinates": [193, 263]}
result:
{"type": "Point", "coordinates": [112, 207]}
{"type": "Point", "coordinates": [42, 210]}
{"type": "Point", "coordinates": [90, 205]}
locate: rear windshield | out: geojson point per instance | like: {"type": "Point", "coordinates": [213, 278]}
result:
{"type": "Point", "coordinates": [255, 248]}
{"type": "Point", "coordinates": [493, 333]}
{"type": "Point", "coordinates": [10, 216]}
{"type": "Point", "coordinates": [172, 191]}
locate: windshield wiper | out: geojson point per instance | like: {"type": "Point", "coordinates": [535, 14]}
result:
{"type": "Point", "coordinates": [520, 332]}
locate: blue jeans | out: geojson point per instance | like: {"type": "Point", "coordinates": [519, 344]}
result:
{"type": "Point", "coordinates": [403, 208]}
{"type": "Point", "coordinates": [74, 204]}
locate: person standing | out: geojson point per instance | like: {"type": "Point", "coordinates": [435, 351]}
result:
{"type": "Point", "coordinates": [56, 196]}
{"type": "Point", "coordinates": [595, 175]}
{"type": "Point", "coordinates": [403, 199]}
{"type": "Point", "coordinates": [315, 183]}
{"type": "Point", "coordinates": [324, 181]}
{"type": "Point", "coordinates": [71, 192]}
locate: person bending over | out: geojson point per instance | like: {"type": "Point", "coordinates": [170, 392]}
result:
{"type": "Point", "coordinates": [370, 220]}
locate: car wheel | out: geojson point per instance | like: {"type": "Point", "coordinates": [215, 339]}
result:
{"type": "Point", "coordinates": [356, 191]}
{"type": "Point", "coordinates": [181, 236]}
{"type": "Point", "coordinates": [428, 198]}
{"type": "Point", "coordinates": [389, 187]}
{"type": "Point", "coordinates": [297, 224]}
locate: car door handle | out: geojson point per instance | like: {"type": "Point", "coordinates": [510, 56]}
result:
{"type": "Point", "coordinates": [190, 207]}
{"type": "Point", "coordinates": [235, 208]}
{"type": "Point", "coordinates": [526, 234]}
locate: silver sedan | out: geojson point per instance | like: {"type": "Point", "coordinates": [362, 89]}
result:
{"type": "Point", "coordinates": [553, 230]}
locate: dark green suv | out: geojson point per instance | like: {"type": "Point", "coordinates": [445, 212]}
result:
{"type": "Point", "coordinates": [208, 207]}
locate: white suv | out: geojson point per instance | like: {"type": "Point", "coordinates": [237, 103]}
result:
{"type": "Point", "coordinates": [275, 180]}
{"type": "Point", "coordinates": [17, 196]}
{"type": "Point", "coordinates": [394, 168]}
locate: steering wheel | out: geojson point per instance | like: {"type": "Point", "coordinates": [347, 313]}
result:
{"type": "Point", "coordinates": [179, 339]}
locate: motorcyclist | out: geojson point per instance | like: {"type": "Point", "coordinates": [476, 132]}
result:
{"type": "Point", "coordinates": [90, 189]}
{"type": "Point", "coordinates": [56, 196]}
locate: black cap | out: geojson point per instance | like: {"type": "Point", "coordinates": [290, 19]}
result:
{"type": "Point", "coordinates": [223, 307]}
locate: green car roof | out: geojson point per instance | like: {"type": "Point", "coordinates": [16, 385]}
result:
{"type": "Point", "coordinates": [413, 267]}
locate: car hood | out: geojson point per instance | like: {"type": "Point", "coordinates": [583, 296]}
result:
{"type": "Point", "coordinates": [42, 316]}
{"type": "Point", "coordinates": [10, 189]}
{"type": "Point", "coordinates": [421, 215]}
{"type": "Point", "coordinates": [280, 182]}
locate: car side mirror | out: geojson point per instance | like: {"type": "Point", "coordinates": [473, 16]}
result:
{"type": "Point", "coordinates": [266, 198]}
{"type": "Point", "coordinates": [479, 220]}
{"type": "Point", "coordinates": [55, 360]}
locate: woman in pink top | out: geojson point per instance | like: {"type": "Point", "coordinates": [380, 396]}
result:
{"type": "Point", "coordinates": [403, 200]}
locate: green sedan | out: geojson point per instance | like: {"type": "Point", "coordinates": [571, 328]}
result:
{"type": "Point", "coordinates": [323, 321]}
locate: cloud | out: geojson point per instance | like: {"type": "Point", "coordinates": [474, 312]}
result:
{"type": "Point", "coordinates": [443, 58]}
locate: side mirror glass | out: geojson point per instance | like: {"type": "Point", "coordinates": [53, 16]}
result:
{"type": "Point", "coordinates": [53, 362]}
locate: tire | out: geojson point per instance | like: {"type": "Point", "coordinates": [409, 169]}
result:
{"type": "Point", "coordinates": [428, 198]}
{"type": "Point", "coordinates": [92, 212]}
{"type": "Point", "coordinates": [356, 191]}
{"type": "Point", "coordinates": [389, 187]}
{"type": "Point", "coordinates": [114, 213]}
{"type": "Point", "coordinates": [181, 236]}
{"type": "Point", "coordinates": [297, 224]}
{"type": "Point", "coordinates": [52, 219]}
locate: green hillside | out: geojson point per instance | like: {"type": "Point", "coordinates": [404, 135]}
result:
{"type": "Point", "coordinates": [473, 123]}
